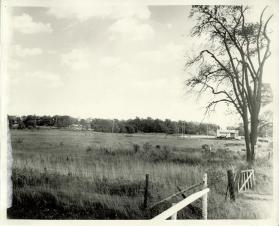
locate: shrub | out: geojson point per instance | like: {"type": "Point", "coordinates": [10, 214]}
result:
{"type": "Point", "coordinates": [19, 140]}
{"type": "Point", "coordinates": [107, 151]}
{"type": "Point", "coordinates": [89, 149]}
{"type": "Point", "coordinates": [187, 159]}
{"type": "Point", "coordinates": [206, 147]}
{"type": "Point", "coordinates": [166, 152]}
{"type": "Point", "coordinates": [157, 155]}
{"type": "Point", "coordinates": [147, 146]}
{"type": "Point", "coordinates": [136, 148]}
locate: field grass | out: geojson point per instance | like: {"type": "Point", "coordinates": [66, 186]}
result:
{"type": "Point", "coordinates": [85, 175]}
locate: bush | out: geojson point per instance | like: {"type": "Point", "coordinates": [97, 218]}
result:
{"type": "Point", "coordinates": [107, 151]}
{"type": "Point", "coordinates": [147, 146]}
{"type": "Point", "coordinates": [89, 149]}
{"type": "Point", "coordinates": [136, 148]}
{"type": "Point", "coordinates": [187, 159]}
{"type": "Point", "coordinates": [157, 155]}
{"type": "Point", "coordinates": [19, 140]}
{"type": "Point", "coordinates": [206, 147]}
{"type": "Point", "coordinates": [166, 152]}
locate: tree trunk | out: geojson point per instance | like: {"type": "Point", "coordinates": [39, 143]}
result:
{"type": "Point", "coordinates": [247, 140]}
{"type": "Point", "coordinates": [247, 135]}
{"type": "Point", "coordinates": [250, 133]}
{"type": "Point", "coordinates": [254, 134]}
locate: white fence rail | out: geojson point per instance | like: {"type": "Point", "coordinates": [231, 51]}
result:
{"type": "Point", "coordinates": [172, 211]}
{"type": "Point", "coordinates": [175, 208]}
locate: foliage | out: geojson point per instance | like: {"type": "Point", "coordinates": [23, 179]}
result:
{"type": "Point", "coordinates": [231, 67]}
{"type": "Point", "coordinates": [137, 125]}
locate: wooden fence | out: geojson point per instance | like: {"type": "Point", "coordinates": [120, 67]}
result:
{"type": "Point", "coordinates": [172, 211]}
{"type": "Point", "coordinates": [246, 180]}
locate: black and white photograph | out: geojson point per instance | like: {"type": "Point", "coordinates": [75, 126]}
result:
{"type": "Point", "coordinates": [140, 110]}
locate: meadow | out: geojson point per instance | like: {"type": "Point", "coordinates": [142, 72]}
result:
{"type": "Point", "coordinates": [60, 174]}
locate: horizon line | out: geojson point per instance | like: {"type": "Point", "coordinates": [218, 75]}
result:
{"type": "Point", "coordinates": [119, 119]}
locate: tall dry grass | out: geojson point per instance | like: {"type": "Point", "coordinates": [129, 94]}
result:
{"type": "Point", "coordinates": [79, 175]}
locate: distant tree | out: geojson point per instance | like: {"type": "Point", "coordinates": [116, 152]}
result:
{"type": "Point", "coordinates": [130, 129]}
{"type": "Point", "coordinates": [122, 127]}
{"type": "Point", "coordinates": [12, 120]}
{"type": "Point", "coordinates": [138, 124]}
{"type": "Point", "coordinates": [21, 124]}
{"type": "Point", "coordinates": [191, 128]}
{"type": "Point", "coordinates": [266, 124]}
{"type": "Point", "coordinates": [45, 121]}
{"type": "Point", "coordinates": [158, 126]}
{"type": "Point", "coordinates": [267, 95]}
{"type": "Point", "coordinates": [30, 121]}
{"type": "Point", "coordinates": [64, 121]}
{"type": "Point", "coordinates": [116, 128]}
{"type": "Point", "coordinates": [132, 123]}
{"type": "Point", "coordinates": [170, 127]}
{"type": "Point", "coordinates": [147, 125]}
{"type": "Point", "coordinates": [203, 128]}
{"type": "Point", "coordinates": [102, 125]}
{"type": "Point", "coordinates": [84, 123]}
{"type": "Point", "coordinates": [266, 116]}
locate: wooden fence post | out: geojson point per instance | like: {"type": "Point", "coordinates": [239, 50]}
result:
{"type": "Point", "coordinates": [246, 185]}
{"type": "Point", "coordinates": [204, 198]}
{"type": "Point", "coordinates": [238, 181]}
{"type": "Point", "coordinates": [231, 184]}
{"type": "Point", "coordinates": [174, 216]}
{"type": "Point", "coordinates": [146, 191]}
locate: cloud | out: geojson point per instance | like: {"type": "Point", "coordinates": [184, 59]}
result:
{"type": "Point", "coordinates": [131, 28]}
{"type": "Point", "coordinates": [76, 59]}
{"type": "Point", "coordinates": [26, 25]}
{"type": "Point", "coordinates": [116, 64]}
{"type": "Point", "coordinates": [129, 17]}
{"type": "Point", "coordinates": [19, 51]}
{"type": "Point", "coordinates": [109, 61]}
{"type": "Point", "coordinates": [14, 64]}
{"type": "Point", "coordinates": [45, 78]}
{"type": "Point", "coordinates": [84, 11]}
{"type": "Point", "coordinates": [169, 25]}
{"type": "Point", "coordinates": [170, 52]}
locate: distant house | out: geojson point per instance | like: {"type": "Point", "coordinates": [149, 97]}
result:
{"type": "Point", "coordinates": [75, 127]}
{"type": "Point", "coordinates": [227, 134]}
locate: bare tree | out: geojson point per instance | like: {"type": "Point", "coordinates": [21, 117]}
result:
{"type": "Point", "coordinates": [231, 67]}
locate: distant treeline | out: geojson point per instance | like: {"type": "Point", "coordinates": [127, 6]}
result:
{"type": "Point", "coordinates": [145, 125]}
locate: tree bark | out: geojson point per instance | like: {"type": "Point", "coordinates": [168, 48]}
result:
{"type": "Point", "coordinates": [254, 134]}
{"type": "Point", "coordinates": [247, 138]}
{"type": "Point", "coordinates": [251, 134]}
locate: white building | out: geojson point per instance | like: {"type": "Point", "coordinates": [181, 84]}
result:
{"type": "Point", "coordinates": [227, 134]}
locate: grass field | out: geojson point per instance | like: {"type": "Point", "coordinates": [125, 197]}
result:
{"type": "Point", "coordinates": [85, 175]}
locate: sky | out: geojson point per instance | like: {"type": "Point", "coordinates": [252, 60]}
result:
{"type": "Point", "coordinates": [121, 61]}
